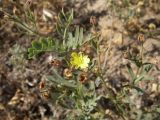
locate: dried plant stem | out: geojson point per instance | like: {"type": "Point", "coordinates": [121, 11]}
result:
{"type": "Point", "coordinates": [139, 70]}
{"type": "Point", "coordinates": [141, 55]}
{"type": "Point", "coordinates": [100, 74]}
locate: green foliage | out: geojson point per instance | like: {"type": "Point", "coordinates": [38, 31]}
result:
{"type": "Point", "coordinates": [131, 73]}
{"type": "Point", "coordinates": [57, 79]}
{"type": "Point", "coordinates": [75, 40]}
{"type": "Point", "coordinates": [63, 24]}
{"type": "Point", "coordinates": [81, 98]}
{"type": "Point", "coordinates": [18, 58]}
{"type": "Point", "coordinates": [85, 100]}
{"type": "Point", "coordinates": [27, 22]}
{"type": "Point", "coordinates": [70, 40]}
{"type": "Point", "coordinates": [145, 68]}
{"type": "Point", "coordinates": [52, 45]}
{"type": "Point", "coordinates": [44, 45]}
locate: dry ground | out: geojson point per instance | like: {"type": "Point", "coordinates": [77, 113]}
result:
{"type": "Point", "coordinates": [119, 23]}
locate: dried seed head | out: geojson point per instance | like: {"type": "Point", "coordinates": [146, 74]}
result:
{"type": "Point", "coordinates": [56, 62]}
{"type": "Point", "coordinates": [126, 55]}
{"type": "Point", "coordinates": [83, 78]}
{"type": "Point", "coordinates": [93, 20]}
{"type": "Point", "coordinates": [67, 73]}
{"type": "Point", "coordinates": [41, 85]}
{"type": "Point", "coordinates": [133, 25]}
{"type": "Point", "coordinates": [141, 38]}
{"type": "Point", "coordinates": [46, 94]}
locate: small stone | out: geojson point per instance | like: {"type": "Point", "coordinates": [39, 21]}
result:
{"type": "Point", "coordinates": [118, 39]}
{"type": "Point", "coordinates": [2, 107]}
{"type": "Point", "coordinates": [154, 87]}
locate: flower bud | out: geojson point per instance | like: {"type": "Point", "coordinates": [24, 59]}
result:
{"type": "Point", "coordinates": [67, 73]}
{"type": "Point", "coordinates": [141, 38]}
{"type": "Point", "coordinates": [83, 78]}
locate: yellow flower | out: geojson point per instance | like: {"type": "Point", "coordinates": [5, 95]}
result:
{"type": "Point", "coordinates": [79, 60]}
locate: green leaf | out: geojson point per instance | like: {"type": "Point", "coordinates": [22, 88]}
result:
{"type": "Point", "coordinates": [139, 89]}
{"type": "Point", "coordinates": [75, 40]}
{"type": "Point", "coordinates": [30, 50]}
{"type": "Point", "coordinates": [140, 78]}
{"type": "Point", "coordinates": [30, 53]}
{"type": "Point", "coordinates": [69, 42]}
{"type": "Point", "coordinates": [94, 44]}
{"type": "Point", "coordinates": [131, 73]}
{"type": "Point", "coordinates": [158, 110]}
{"type": "Point", "coordinates": [143, 77]}
{"type": "Point", "coordinates": [44, 43]}
{"type": "Point", "coordinates": [77, 35]}
{"type": "Point", "coordinates": [138, 63]}
{"type": "Point", "coordinates": [81, 36]}
{"type": "Point", "coordinates": [63, 24]}
{"type": "Point", "coordinates": [61, 82]}
{"type": "Point", "coordinates": [70, 18]}
{"type": "Point", "coordinates": [147, 66]}
{"type": "Point", "coordinates": [37, 45]}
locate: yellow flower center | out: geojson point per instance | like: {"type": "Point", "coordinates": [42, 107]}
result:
{"type": "Point", "coordinates": [79, 60]}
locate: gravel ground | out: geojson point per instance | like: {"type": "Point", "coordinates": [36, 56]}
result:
{"type": "Point", "coordinates": [119, 25]}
